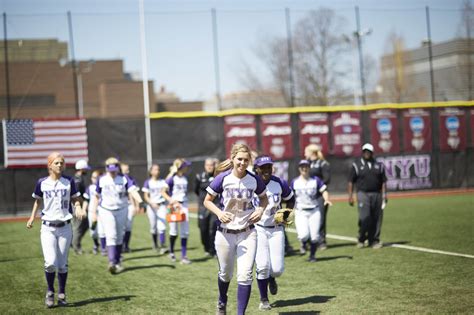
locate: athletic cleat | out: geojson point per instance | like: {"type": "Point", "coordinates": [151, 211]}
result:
{"type": "Point", "coordinates": [272, 286]}
{"type": "Point", "coordinates": [126, 250]}
{"type": "Point", "coordinates": [172, 257]}
{"type": "Point", "coordinates": [164, 250]}
{"type": "Point", "coordinates": [49, 300]}
{"type": "Point", "coordinates": [62, 299]}
{"type": "Point", "coordinates": [95, 251]}
{"type": "Point", "coordinates": [221, 308]}
{"type": "Point", "coordinates": [78, 251]}
{"type": "Point", "coordinates": [302, 250]}
{"type": "Point", "coordinates": [264, 305]}
{"type": "Point", "coordinates": [377, 246]}
{"type": "Point", "coordinates": [360, 245]}
{"type": "Point", "coordinates": [112, 268]}
{"type": "Point", "coordinates": [312, 259]}
{"type": "Point", "coordinates": [118, 268]}
{"type": "Point", "coordinates": [185, 261]}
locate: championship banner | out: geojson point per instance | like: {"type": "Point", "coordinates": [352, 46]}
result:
{"type": "Point", "coordinates": [417, 130]}
{"type": "Point", "coordinates": [472, 127]}
{"type": "Point", "coordinates": [276, 136]}
{"type": "Point", "coordinates": [240, 129]}
{"type": "Point", "coordinates": [346, 133]}
{"type": "Point", "coordinates": [384, 131]}
{"type": "Point", "coordinates": [407, 172]}
{"type": "Point", "coordinates": [452, 130]}
{"type": "Point", "coordinates": [314, 129]}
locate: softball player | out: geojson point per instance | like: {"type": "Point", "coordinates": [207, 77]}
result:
{"type": "Point", "coordinates": [95, 229]}
{"type": "Point", "coordinates": [175, 192]}
{"type": "Point", "coordinates": [270, 237]}
{"type": "Point", "coordinates": [133, 207]}
{"type": "Point", "coordinates": [111, 200]}
{"type": "Point", "coordinates": [156, 208]}
{"type": "Point", "coordinates": [308, 212]}
{"type": "Point", "coordinates": [236, 237]}
{"type": "Point", "coordinates": [56, 191]}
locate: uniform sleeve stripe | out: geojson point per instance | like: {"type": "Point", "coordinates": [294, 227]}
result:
{"type": "Point", "coordinates": [78, 194]}
{"type": "Point", "coordinates": [355, 168]}
{"type": "Point", "coordinates": [323, 188]}
{"type": "Point", "coordinates": [144, 189]}
{"type": "Point", "coordinates": [290, 195]}
{"type": "Point", "coordinates": [211, 191]}
{"type": "Point", "coordinates": [36, 196]}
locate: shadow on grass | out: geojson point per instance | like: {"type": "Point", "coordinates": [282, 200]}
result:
{"type": "Point", "coordinates": [352, 244]}
{"type": "Point", "coordinates": [315, 299]}
{"type": "Point", "coordinates": [143, 257]}
{"type": "Point", "coordinates": [133, 268]}
{"type": "Point", "coordinates": [300, 312]}
{"type": "Point", "coordinates": [202, 259]}
{"type": "Point", "coordinates": [334, 257]}
{"type": "Point", "coordinates": [101, 300]}
{"type": "Point", "coordinates": [388, 244]}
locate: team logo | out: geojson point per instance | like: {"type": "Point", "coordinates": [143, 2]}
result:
{"type": "Point", "coordinates": [417, 124]}
{"type": "Point", "coordinates": [384, 127]}
{"type": "Point", "coordinates": [452, 124]}
{"type": "Point", "coordinates": [241, 132]}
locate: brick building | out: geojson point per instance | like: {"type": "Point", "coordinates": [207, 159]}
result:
{"type": "Point", "coordinates": [42, 84]}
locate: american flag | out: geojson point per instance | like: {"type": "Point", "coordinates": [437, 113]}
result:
{"type": "Point", "coordinates": [28, 142]}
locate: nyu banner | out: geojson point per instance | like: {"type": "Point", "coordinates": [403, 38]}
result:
{"type": "Point", "coordinates": [407, 172]}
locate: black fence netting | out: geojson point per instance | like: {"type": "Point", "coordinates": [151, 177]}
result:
{"type": "Point", "coordinates": [196, 138]}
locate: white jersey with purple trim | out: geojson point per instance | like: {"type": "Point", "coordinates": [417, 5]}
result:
{"type": "Point", "coordinates": [277, 190]}
{"type": "Point", "coordinates": [113, 192]}
{"type": "Point", "coordinates": [307, 192]}
{"type": "Point", "coordinates": [56, 195]}
{"type": "Point", "coordinates": [154, 188]}
{"type": "Point", "coordinates": [236, 196]}
{"type": "Point", "coordinates": [178, 188]}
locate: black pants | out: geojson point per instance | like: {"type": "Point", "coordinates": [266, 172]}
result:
{"type": "Point", "coordinates": [207, 226]}
{"type": "Point", "coordinates": [370, 216]}
{"type": "Point", "coordinates": [324, 214]}
{"type": "Point", "coordinates": [80, 228]}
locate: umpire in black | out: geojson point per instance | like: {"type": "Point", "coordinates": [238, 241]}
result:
{"type": "Point", "coordinates": [319, 167]}
{"type": "Point", "coordinates": [206, 219]}
{"type": "Point", "coordinates": [80, 226]}
{"type": "Point", "coordinates": [369, 177]}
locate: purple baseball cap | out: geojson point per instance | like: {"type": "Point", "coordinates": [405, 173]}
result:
{"type": "Point", "coordinates": [263, 160]}
{"type": "Point", "coordinates": [186, 163]}
{"type": "Point", "coordinates": [112, 168]}
{"type": "Point", "coordinates": [304, 162]}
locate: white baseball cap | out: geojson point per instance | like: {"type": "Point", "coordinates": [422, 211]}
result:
{"type": "Point", "coordinates": [368, 147]}
{"type": "Point", "coordinates": [82, 165]}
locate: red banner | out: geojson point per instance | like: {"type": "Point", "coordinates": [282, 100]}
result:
{"type": "Point", "coordinates": [472, 127]}
{"type": "Point", "coordinates": [417, 130]}
{"type": "Point", "coordinates": [240, 129]}
{"type": "Point", "coordinates": [384, 131]}
{"type": "Point", "coordinates": [346, 133]}
{"type": "Point", "coordinates": [452, 130]}
{"type": "Point", "coordinates": [314, 129]}
{"type": "Point", "coordinates": [276, 136]}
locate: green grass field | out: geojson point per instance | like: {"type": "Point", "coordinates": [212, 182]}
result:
{"type": "Point", "coordinates": [344, 280]}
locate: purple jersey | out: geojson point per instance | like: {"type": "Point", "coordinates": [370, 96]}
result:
{"type": "Point", "coordinates": [56, 196]}
{"type": "Point", "coordinates": [236, 196]}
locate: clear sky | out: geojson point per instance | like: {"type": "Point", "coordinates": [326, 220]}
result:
{"type": "Point", "coordinates": [179, 33]}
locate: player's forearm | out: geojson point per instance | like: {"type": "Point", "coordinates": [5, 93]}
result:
{"type": "Point", "coordinates": [166, 196]}
{"type": "Point", "coordinates": [209, 204]}
{"type": "Point", "coordinates": [85, 204]}
{"type": "Point", "coordinates": [35, 208]}
{"type": "Point", "coordinates": [146, 196]}
{"type": "Point", "coordinates": [94, 204]}
{"type": "Point", "coordinates": [136, 196]}
{"type": "Point", "coordinates": [263, 201]}
{"type": "Point", "coordinates": [384, 190]}
{"type": "Point", "coordinates": [325, 195]}
{"type": "Point", "coordinates": [350, 189]}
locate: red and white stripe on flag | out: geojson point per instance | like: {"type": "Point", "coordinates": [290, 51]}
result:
{"type": "Point", "coordinates": [28, 142]}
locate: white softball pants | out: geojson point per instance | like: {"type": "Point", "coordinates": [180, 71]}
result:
{"type": "Point", "coordinates": [113, 222]}
{"type": "Point", "coordinates": [242, 246]}
{"type": "Point", "coordinates": [55, 243]}
{"type": "Point", "coordinates": [183, 226]}
{"type": "Point", "coordinates": [270, 258]}
{"type": "Point", "coordinates": [157, 219]}
{"type": "Point", "coordinates": [307, 224]}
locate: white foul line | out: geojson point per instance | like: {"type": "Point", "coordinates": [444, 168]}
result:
{"type": "Point", "coordinates": [415, 248]}
{"type": "Point", "coordinates": [354, 240]}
